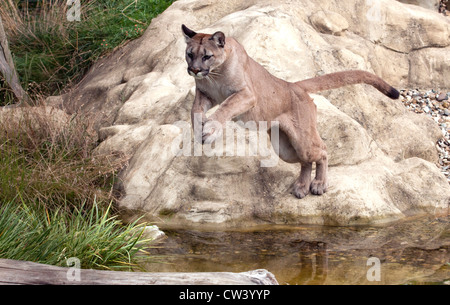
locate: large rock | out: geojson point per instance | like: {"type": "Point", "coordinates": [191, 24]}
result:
{"type": "Point", "coordinates": [381, 156]}
{"type": "Point", "coordinates": [429, 4]}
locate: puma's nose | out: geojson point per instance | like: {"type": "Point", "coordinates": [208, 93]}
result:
{"type": "Point", "coordinates": [194, 70]}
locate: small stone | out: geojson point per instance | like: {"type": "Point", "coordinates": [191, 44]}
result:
{"type": "Point", "coordinates": [153, 233]}
{"type": "Point", "coordinates": [445, 104]}
{"type": "Point", "coordinates": [442, 97]}
{"type": "Point", "coordinates": [446, 112]}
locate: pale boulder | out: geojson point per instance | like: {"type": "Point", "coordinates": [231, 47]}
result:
{"type": "Point", "coordinates": [381, 155]}
{"type": "Point", "coordinates": [329, 22]}
{"type": "Point", "coordinates": [366, 186]}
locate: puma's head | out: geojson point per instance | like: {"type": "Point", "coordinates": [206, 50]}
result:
{"type": "Point", "coordinates": [204, 52]}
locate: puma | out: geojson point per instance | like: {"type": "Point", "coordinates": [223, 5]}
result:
{"type": "Point", "coordinates": [225, 75]}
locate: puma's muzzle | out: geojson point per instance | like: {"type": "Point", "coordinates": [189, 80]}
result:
{"type": "Point", "coordinates": [197, 73]}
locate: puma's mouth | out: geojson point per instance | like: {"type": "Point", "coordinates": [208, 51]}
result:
{"type": "Point", "coordinates": [199, 76]}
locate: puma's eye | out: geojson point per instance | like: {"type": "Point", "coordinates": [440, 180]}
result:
{"type": "Point", "coordinates": [206, 57]}
{"type": "Point", "coordinates": [190, 55]}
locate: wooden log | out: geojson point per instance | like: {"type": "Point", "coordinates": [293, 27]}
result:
{"type": "Point", "coordinates": [14, 272]}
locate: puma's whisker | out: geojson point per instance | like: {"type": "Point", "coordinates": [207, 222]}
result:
{"type": "Point", "coordinates": [214, 73]}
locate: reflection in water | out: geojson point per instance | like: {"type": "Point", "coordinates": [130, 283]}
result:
{"type": "Point", "coordinates": [313, 264]}
{"type": "Point", "coordinates": [414, 251]}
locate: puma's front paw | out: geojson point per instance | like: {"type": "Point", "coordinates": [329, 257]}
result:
{"type": "Point", "coordinates": [211, 131]}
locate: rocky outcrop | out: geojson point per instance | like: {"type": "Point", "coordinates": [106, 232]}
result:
{"type": "Point", "coordinates": [381, 155]}
{"type": "Point", "coordinates": [430, 4]}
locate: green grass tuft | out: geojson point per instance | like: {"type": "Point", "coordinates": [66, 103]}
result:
{"type": "Point", "coordinates": [92, 235]}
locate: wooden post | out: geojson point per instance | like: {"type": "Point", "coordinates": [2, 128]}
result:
{"type": "Point", "coordinates": [8, 70]}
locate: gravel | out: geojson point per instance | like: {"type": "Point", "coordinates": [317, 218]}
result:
{"type": "Point", "coordinates": [436, 104]}
{"type": "Point", "coordinates": [444, 7]}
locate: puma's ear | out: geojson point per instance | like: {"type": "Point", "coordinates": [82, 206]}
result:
{"type": "Point", "coordinates": [188, 34]}
{"type": "Point", "coordinates": [219, 39]}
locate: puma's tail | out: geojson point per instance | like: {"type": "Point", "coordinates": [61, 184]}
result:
{"type": "Point", "coordinates": [340, 79]}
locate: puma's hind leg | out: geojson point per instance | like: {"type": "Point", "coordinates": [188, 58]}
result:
{"type": "Point", "coordinates": [289, 154]}
{"type": "Point", "coordinates": [318, 186]}
{"type": "Point", "coordinates": [307, 141]}
{"type": "Point", "coordinates": [320, 183]}
{"type": "Point", "coordinates": [303, 183]}
{"type": "Point", "coordinates": [309, 148]}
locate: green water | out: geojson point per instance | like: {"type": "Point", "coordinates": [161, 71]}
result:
{"type": "Point", "coordinates": [414, 251]}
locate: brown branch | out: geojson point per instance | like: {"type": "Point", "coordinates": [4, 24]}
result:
{"type": "Point", "coordinates": [8, 70]}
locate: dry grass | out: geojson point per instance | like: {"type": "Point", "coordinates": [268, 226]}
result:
{"type": "Point", "coordinates": [49, 18]}
{"type": "Point", "coordinates": [48, 158]}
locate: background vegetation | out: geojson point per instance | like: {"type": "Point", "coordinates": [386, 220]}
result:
{"type": "Point", "coordinates": [52, 53]}
{"type": "Point", "coordinates": [56, 194]}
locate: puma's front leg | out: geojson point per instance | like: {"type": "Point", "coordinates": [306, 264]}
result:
{"type": "Point", "coordinates": [236, 104]}
{"type": "Point", "coordinates": [198, 114]}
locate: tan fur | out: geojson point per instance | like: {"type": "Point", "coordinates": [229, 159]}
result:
{"type": "Point", "coordinates": [244, 89]}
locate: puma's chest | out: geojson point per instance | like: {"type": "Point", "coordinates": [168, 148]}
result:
{"type": "Point", "coordinates": [215, 91]}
